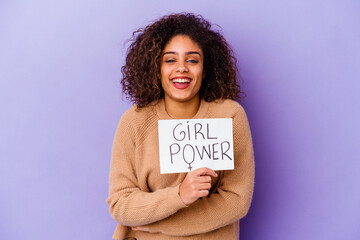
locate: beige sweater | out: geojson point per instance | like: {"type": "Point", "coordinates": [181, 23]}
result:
{"type": "Point", "coordinates": [140, 196]}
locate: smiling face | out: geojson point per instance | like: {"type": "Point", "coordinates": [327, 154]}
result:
{"type": "Point", "coordinates": [181, 69]}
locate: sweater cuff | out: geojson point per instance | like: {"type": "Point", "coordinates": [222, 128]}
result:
{"type": "Point", "coordinates": [175, 199]}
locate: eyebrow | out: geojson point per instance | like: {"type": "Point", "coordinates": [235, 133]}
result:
{"type": "Point", "coordinates": [187, 53]}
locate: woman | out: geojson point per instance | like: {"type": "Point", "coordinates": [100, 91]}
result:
{"type": "Point", "coordinates": [178, 68]}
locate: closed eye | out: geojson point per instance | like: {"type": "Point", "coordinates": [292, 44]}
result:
{"type": "Point", "coordinates": [193, 61]}
{"type": "Point", "coordinates": [170, 61]}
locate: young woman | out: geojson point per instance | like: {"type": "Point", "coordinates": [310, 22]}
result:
{"type": "Point", "coordinates": [178, 68]}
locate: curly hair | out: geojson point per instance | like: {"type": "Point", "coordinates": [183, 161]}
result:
{"type": "Point", "coordinates": [141, 72]}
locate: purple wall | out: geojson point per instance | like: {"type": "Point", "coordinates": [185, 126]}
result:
{"type": "Point", "coordinates": [60, 103]}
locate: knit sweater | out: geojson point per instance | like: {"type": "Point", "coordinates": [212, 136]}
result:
{"type": "Point", "coordinates": [140, 196]}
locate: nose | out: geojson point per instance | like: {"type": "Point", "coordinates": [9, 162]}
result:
{"type": "Point", "coordinates": [182, 68]}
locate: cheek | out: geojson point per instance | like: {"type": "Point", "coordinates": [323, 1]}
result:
{"type": "Point", "coordinates": [164, 72]}
{"type": "Point", "coordinates": [162, 81]}
{"type": "Point", "coordinates": [199, 84]}
{"type": "Point", "coordinates": [200, 73]}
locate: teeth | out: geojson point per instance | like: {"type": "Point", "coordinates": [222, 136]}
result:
{"type": "Point", "coordinates": [181, 80]}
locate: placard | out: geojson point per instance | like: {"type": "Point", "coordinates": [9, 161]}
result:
{"type": "Point", "coordinates": [189, 144]}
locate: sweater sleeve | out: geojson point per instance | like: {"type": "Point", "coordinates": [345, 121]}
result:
{"type": "Point", "coordinates": [128, 204]}
{"type": "Point", "coordinates": [232, 199]}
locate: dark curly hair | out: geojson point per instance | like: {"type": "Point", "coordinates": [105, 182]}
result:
{"type": "Point", "coordinates": [141, 72]}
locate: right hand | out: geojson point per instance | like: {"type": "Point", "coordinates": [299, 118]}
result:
{"type": "Point", "coordinates": [196, 185]}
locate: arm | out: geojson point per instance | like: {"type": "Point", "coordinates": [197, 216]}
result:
{"type": "Point", "coordinates": [232, 199]}
{"type": "Point", "coordinates": [129, 205]}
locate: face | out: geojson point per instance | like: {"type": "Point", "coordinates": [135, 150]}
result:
{"type": "Point", "coordinates": [181, 69]}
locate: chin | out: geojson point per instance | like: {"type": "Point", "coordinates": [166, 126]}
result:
{"type": "Point", "coordinates": [184, 98]}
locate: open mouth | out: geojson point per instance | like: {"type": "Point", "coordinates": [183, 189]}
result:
{"type": "Point", "coordinates": [181, 83]}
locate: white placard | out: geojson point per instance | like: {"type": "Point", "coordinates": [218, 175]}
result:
{"type": "Point", "coordinates": [188, 144]}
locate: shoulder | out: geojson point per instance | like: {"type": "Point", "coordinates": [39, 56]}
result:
{"type": "Point", "coordinates": [226, 108]}
{"type": "Point", "coordinates": [137, 116]}
{"type": "Point", "coordinates": [138, 123]}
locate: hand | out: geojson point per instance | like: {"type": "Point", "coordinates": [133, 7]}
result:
{"type": "Point", "coordinates": [196, 185]}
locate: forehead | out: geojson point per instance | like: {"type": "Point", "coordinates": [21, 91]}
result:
{"type": "Point", "coordinates": [180, 43]}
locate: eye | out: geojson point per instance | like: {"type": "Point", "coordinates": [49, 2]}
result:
{"type": "Point", "coordinates": [193, 61]}
{"type": "Point", "coordinates": [170, 61]}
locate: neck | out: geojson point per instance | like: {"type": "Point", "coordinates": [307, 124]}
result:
{"type": "Point", "coordinates": [182, 110]}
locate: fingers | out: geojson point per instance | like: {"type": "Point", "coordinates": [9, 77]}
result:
{"type": "Point", "coordinates": [203, 193]}
{"type": "Point", "coordinates": [204, 179]}
{"type": "Point", "coordinates": [205, 172]}
{"type": "Point", "coordinates": [196, 184]}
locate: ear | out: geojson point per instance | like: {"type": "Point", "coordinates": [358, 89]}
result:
{"type": "Point", "coordinates": [203, 75]}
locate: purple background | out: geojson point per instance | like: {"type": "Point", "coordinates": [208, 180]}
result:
{"type": "Point", "coordinates": [60, 103]}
